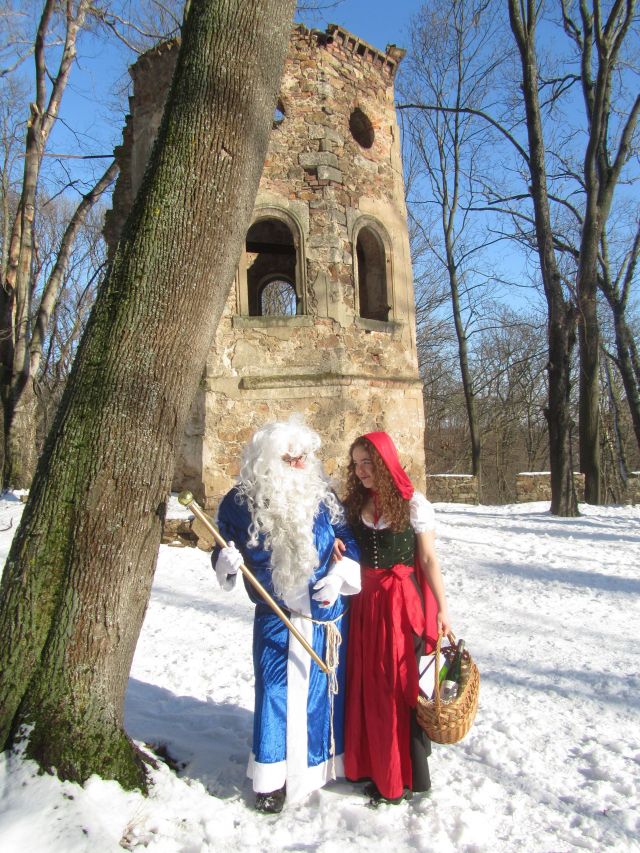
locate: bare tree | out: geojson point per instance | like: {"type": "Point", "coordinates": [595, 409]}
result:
{"type": "Point", "coordinates": [599, 35]}
{"type": "Point", "coordinates": [450, 64]}
{"type": "Point", "coordinates": [24, 315]}
{"type": "Point", "coordinates": [84, 267]}
{"type": "Point", "coordinates": [617, 289]}
{"type": "Point", "coordinates": [20, 354]}
{"type": "Point", "coordinates": [512, 389]}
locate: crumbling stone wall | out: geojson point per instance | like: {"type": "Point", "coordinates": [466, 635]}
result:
{"type": "Point", "coordinates": [332, 180]}
{"type": "Point", "coordinates": [633, 488]}
{"type": "Point", "coordinates": [536, 486]}
{"type": "Point", "coordinates": [452, 488]}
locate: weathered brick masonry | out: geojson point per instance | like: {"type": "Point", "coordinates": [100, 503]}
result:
{"type": "Point", "coordinates": [320, 319]}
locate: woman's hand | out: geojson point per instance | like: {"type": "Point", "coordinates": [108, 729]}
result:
{"type": "Point", "coordinates": [338, 550]}
{"type": "Point", "coordinates": [444, 625]}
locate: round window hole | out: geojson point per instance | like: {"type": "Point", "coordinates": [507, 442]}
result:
{"type": "Point", "coordinates": [361, 128]}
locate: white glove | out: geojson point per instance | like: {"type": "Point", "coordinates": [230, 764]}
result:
{"type": "Point", "coordinates": [327, 590]}
{"type": "Point", "coordinates": [227, 565]}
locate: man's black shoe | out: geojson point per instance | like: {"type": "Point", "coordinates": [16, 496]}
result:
{"type": "Point", "coordinates": [272, 802]}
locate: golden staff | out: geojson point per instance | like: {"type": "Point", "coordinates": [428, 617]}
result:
{"type": "Point", "coordinates": [187, 500]}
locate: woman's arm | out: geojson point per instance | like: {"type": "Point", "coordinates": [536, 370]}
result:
{"type": "Point", "coordinates": [430, 566]}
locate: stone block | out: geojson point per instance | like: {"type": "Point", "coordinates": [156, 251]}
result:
{"type": "Point", "coordinates": [313, 159]}
{"type": "Point", "coordinates": [328, 173]}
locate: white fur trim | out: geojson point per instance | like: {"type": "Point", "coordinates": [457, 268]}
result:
{"type": "Point", "coordinates": [349, 571]}
{"type": "Point", "coordinates": [266, 777]}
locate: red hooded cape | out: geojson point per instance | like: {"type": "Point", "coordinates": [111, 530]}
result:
{"type": "Point", "coordinates": [382, 671]}
{"type": "Point", "coordinates": [388, 452]}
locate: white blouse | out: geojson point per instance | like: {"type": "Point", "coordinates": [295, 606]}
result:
{"type": "Point", "coordinates": [421, 515]}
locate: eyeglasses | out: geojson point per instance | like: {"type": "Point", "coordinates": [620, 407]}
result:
{"type": "Point", "coordinates": [294, 460]}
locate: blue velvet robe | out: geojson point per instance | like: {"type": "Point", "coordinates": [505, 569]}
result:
{"type": "Point", "coordinates": [292, 720]}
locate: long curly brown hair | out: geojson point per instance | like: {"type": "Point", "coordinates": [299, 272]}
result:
{"type": "Point", "coordinates": [390, 502]}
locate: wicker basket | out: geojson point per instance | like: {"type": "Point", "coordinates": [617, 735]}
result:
{"type": "Point", "coordinates": [449, 722]}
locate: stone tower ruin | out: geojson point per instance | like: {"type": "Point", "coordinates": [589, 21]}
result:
{"type": "Point", "coordinates": [321, 316]}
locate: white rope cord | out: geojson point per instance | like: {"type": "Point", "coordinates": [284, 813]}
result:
{"type": "Point", "coordinates": [334, 641]}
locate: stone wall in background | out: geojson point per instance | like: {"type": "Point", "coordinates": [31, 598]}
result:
{"type": "Point", "coordinates": [452, 488]}
{"type": "Point", "coordinates": [536, 486]}
{"type": "Point", "coordinates": [633, 488]}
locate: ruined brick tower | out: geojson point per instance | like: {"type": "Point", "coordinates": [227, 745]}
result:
{"type": "Point", "coordinates": [321, 317]}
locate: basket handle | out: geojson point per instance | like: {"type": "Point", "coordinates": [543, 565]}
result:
{"type": "Point", "coordinates": [436, 693]}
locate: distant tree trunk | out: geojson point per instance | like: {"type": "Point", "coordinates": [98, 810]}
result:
{"type": "Point", "coordinates": [17, 283]}
{"type": "Point", "coordinates": [465, 373]}
{"type": "Point", "coordinates": [628, 364]}
{"type": "Point", "coordinates": [599, 35]}
{"type": "Point", "coordinates": [589, 348]}
{"type": "Point", "coordinates": [561, 315]}
{"type": "Point", "coordinates": [78, 577]}
{"type": "Point", "coordinates": [20, 437]}
{"type": "Point", "coordinates": [617, 291]}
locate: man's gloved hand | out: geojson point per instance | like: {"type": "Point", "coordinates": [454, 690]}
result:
{"type": "Point", "coordinates": [327, 590]}
{"type": "Point", "coordinates": [227, 565]}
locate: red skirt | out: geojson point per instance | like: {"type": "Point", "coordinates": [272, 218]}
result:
{"type": "Point", "coordinates": [382, 675]}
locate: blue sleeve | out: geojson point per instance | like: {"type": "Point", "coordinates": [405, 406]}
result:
{"type": "Point", "coordinates": [233, 524]}
{"type": "Point", "coordinates": [344, 532]}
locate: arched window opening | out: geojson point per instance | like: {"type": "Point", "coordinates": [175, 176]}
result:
{"type": "Point", "coordinates": [279, 115]}
{"type": "Point", "coordinates": [271, 258]}
{"type": "Point", "coordinates": [278, 298]}
{"type": "Point", "coordinates": [372, 276]}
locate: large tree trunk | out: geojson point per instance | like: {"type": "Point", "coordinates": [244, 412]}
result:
{"type": "Point", "coordinates": [560, 314]}
{"type": "Point", "coordinates": [79, 573]}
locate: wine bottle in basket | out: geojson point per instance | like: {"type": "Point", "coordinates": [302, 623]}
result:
{"type": "Point", "coordinates": [451, 685]}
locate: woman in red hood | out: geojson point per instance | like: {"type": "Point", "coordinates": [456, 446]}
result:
{"type": "Point", "coordinates": [398, 615]}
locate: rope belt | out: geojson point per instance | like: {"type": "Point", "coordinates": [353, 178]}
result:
{"type": "Point", "coordinates": [334, 641]}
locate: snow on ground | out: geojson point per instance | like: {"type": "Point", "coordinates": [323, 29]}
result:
{"type": "Point", "coordinates": [550, 611]}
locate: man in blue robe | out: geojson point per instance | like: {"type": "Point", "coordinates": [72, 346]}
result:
{"type": "Point", "coordinates": [283, 520]}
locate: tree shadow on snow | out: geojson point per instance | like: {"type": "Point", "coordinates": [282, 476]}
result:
{"type": "Point", "coordinates": [602, 686]}
{"type": "Point", "coordinates": [202, 740]}
{"type": "Point", "coordinates": [571, 577]}
{"type": "Point", "coordinates": [552, 526]}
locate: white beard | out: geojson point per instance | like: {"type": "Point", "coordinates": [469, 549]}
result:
{"type": "Point", "coordinates": [288, 522]}
{"type": "Point", "coordinates": [284, 508]}
{"type": "Point", "coordinates": [284, 500]}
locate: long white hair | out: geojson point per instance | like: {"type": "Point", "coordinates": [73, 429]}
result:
{"type": "Point", "coordinates": [284, 500]}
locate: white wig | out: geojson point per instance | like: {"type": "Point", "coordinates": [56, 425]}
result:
{"type": "Point", "coordinates": [284, 500]}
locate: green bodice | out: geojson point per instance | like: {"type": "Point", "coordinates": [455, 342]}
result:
{"type": "Point", "coordinates": [381, 549]}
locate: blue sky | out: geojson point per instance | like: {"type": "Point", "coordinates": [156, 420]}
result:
{"type": "Point", "coordinates": [378, 22]}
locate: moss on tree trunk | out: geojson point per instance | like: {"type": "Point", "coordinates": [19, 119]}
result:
{"type": "Point", "coordinates": [79, 574]}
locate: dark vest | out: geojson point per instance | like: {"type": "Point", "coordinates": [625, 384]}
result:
{"type": "Point", "coordinates": [381, 549]}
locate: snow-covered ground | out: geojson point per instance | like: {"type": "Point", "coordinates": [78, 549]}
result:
{"type": "Point", "coordinates": [550, 611]}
